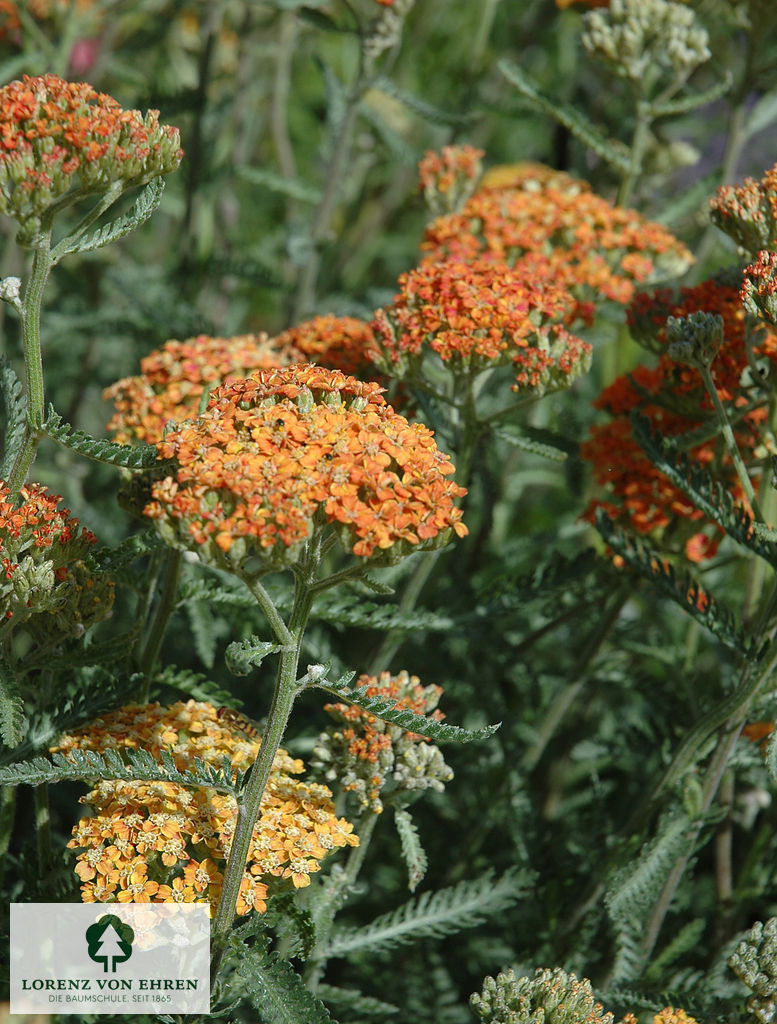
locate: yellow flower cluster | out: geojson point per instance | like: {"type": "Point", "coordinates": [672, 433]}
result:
{"type": "Point", "coordinates": [160, 842]}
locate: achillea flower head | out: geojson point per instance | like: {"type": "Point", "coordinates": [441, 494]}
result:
{"type": "Point", "coordinates": [643, 40]}
{"type": "Point", "coordinates": [378, 761]}
{"type": "Point", "coordinates": [161, 843]}
{"type": "Point", "coordinates": [669, 1015]}
{"type": "Point", "coordinates": [759, 289]}
{"type": "Point", "coordinates": [42, 548]}
{"type": "Point", "coordinates": [755, 962]}
{"type": "Point", "coordinates": [336, 342]}
{"type": "Point", "coordinates": [478, 314]}
{"type": "Point", "coordinates": [449, 178]}
{"type": "Point", "coordinates": [550, 997]}
{"type": "Point", "coordinates": [592, 248]}
{"type": "Point", "coordinates": [59, 138]}
{"type": "Point", "coordinates": [173, 379]}
{"type": "Point", "coordinates": [294, 449]}
{"type": "Point", "coordinates": [673, 398]}
{"type": "Point", "coordinates": [747, 213]}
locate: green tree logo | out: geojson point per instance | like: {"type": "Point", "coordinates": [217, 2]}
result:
{"type": "Point", "coordinates": [109, 941]}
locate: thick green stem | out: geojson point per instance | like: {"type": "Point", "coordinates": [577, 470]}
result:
{"type": "Point", "coordinates": [164, 609]}
{"type": "Point", "coordinates": [286, 689]}
{"type": "Point", "coordinates": [33, 359]}
{"type": "Point", "coordinates": [637, 154]}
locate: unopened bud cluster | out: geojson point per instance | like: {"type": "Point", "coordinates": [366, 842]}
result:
{"type": "Point", "coordinates": [550, 997]}
{"type": "Point", "coordinates": [759, 289]}
{"type": "Point", "coordinates": [450, 177]}
{"type": "Point", "coordinates": [639, 36]}
{"type": "Point", "coordinates": [755, 962]}
{"type": "Point", "coordinates": [748, 212]}
{"type": "Point", "coordinates": [385, 31]}
{"type": "Point", "coordinates": [695, 339]}
{"type": "Point", "coordinates": [377, 761]}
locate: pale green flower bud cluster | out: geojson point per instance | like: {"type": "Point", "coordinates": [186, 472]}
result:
{"type": "Point", "coordinates": [550, 997]}
{"type": "Point", "coordinates": [755, 962]}
{"type": "Point", "coordinates": [385, 32]}
{"type": "Point", "coordinates": [695, 339]}
{"type": "Point", "coordinates": [376, 761]}
{"type": "Point", "coordinates": [639, 36]}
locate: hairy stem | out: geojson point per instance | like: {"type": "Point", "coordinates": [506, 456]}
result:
{"type": "Point", "coordinates": [171, 574]}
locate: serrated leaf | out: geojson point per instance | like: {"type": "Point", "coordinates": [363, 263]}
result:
{"type": "Point", "coordinates": [275, 990]}
{"type": "Point", "coordinates": [205, 631]}
{"type": "Point", "coordinates": [147, 201]}
{"type": "Point", "coordinates": [126, 765]}
{"type": "Point", "coordinates": [99, 450]}
{"type": "Point", "coordinates": [694, 100]}
{"type": "Point", "coordinates": [610, 150]}
{"type": "Point", "coordinates": [680, 587]}
{"type": "Point", "coordinates": [433, 915]}
{"type": "Point", "coordinates": [13, 724]}
{"type": "Point", "coordinates": [292, 187]}
{"type": "Point", "coordinates": [351, 1000]}
{"type": "Point", "coordinates": [293, 923]}
{"type": "Point", "coordinates": [419, 106]}
{"type": "Point", "coordinates": [413, 853]}
{"type": "Point", "coordinates": [14, 416]}
{"type": "Point", "coordinates": [387, 710]}
{"type": "Point", "coordinates": [346, 609]}
{"type": "Point", "coordinates": [375, 585]}
{"type": "Point", "coordinates": [529, 444]}
{"type": "Point", "coordinates": [117, 559]}
{"type": "Point", "coordinates": [109, 652]}
{"type": "Point", "coordinates": [242, 656]}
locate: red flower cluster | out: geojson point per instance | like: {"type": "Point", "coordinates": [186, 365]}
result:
{"type": "Point", "coordinates": [592, 247]}
{"type": "Point", "coordinates": [673, 398]}
{"type": "Point", "coordinates": [480, 313]}
{"type": "Point", "coordinates": [57, 135]}
{"type": "Point", "coordinates": [172, 380]}
{"type": "Point", "coordinates": [289, 447]}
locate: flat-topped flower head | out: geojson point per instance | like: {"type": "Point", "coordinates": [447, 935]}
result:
{"type": "Point", "coordinates": [172, 380]}
{"type": "Point", "coordinates": [58, 138]}
{"type": "Point", "coordinates": [162, 843]}
{"type": "Point", "coordinates": [759, 287]}
{"type": "Point", "coordinates": [748, 212]}
{"type": "Point", "coordinates": [673, 398]}
{"type": "Point", "coordinates": [478, 314]}
{"type": "Point", "coordinates": [449, 178]}
{"type": "Point", "coordinates": [337, 342]}
{"type": "Point", "coordinates": [43, 578]}
{"type": "Point", "coordinates": [377, 761]}
{"type": "Point", "coordinates": [289, 451]}
{"type": "Point", "coordinates": [594, 249]}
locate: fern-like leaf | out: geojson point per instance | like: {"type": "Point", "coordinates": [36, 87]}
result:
{"type": "Point", "coordinates": [13, 724]}
{"type": "Point", "coordinates": [708, 494]}
{"type": "Point", "coordinates": [434, 914]}
{"type": "Point", "coordinates": [275, 990]}
{"type": "Point", "coordinates": [293, 923]}
{"type": "Point", "coordinates": [147, 201]}
{"type": "Point", "coordinates": [114, 651]}
{"type": "Point", "coordinates": [14, 416]}
{"type": "Point", "coordinates": [694, 100]}
{"type": "Point", "coordinates": [387, 710]}
{"type": "Point", "coordinates": [413, 854]}
{"type": "Point", "coordinates": [526, 443]}
{"type": "Point", "coordinates": [118, 559]}
{"type": "Point", "coordinates": [230, 593]}
{"type": "Point", "coordinates": [352, 1001]}
{"type": "Point", "coordinates": [242, 656]}
{"type": "Point", "coordinates": [291, 187]}
{"type": "Point", "coordinates": [127, 766]}
{"type": "Point", "coordinates": [99, 450]}
{"type": "Point", "coordinates": [340, 608]}
{"type": "Point", "coordinates": [611, 150]}
{"type": "Point", "coordinates": [681, 588]}
{"type": "Point", "coordinates": [424, 109]}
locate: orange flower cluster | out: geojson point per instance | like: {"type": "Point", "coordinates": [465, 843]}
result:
{"type": "Point", "coordinates": [748, 212]}
{"type": "Point", "coordinates": [375, 760]}
{"type": "Point", "coordinates": [759, 289]}
{"type": "Point", "coordinates": [669, 1015]}
{"type": "Point", "coordinates": [673, 398]}
{"type": "Point", "coordinates": [56, 136]}
{"type": "Point", "coordinates": [479, 313]}
{"type": "Point", "coordinates": [41, 552]}
{"type": "Point", "coordinates": [592, 247]}
{"type": "Point", "coordinates": [337, 342]}
{"type": "Point", "coordinates": [287, 448]}
{"type": "Point", "coordinates": [159, 842]}
{"type": "Point", "coordinates": [449, 178]}
{"type": "Point", "coordinates": [173, 379]}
